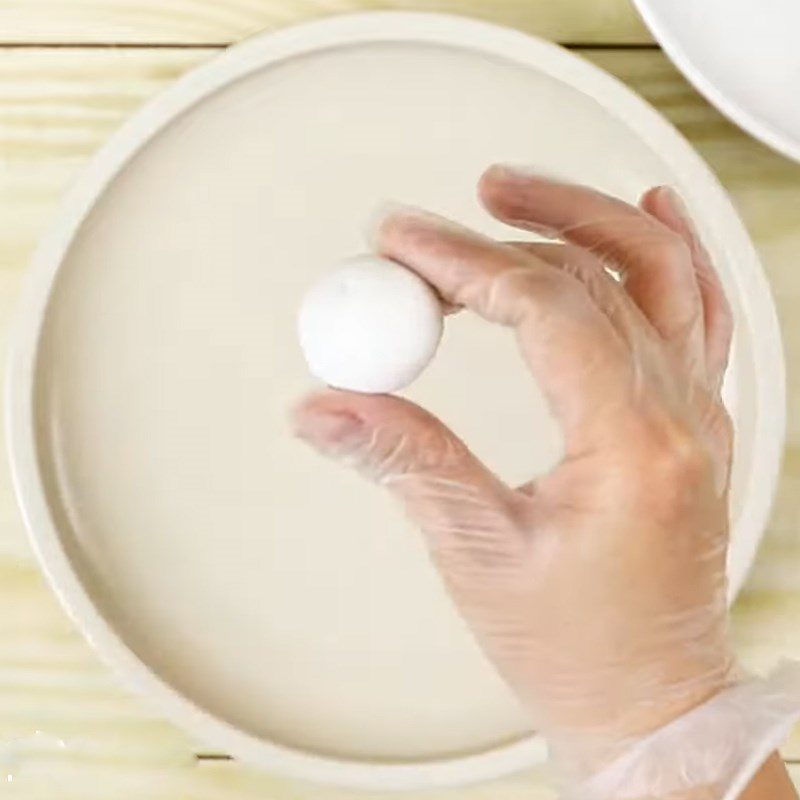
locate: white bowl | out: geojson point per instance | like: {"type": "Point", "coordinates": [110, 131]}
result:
{"type": "Point", "coordinates": [270, 603]}
{"type": "Point", "coordinates": [742, 56]}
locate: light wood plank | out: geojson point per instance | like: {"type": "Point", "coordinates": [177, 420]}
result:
{"type": "Point", "coordinates": [224, 21]}
{"type": "Point", "coordinates": [56, 108]}
{"type": "Point", "coordinates": [794, 772]}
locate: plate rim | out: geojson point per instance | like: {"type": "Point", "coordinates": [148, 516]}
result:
{"type": "Point", "coordinates": [778, 140]}
{"type": "Point", "coordinates": [257, 52]}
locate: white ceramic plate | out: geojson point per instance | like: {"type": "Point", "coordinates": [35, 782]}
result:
{"type": "Point", "coordinates": [742, 55]}
{"type": "Point", "coordinates": [272, 603]}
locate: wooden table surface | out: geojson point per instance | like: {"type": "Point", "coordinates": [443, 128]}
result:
{"type": "Point", "coordinates": [70, 72]}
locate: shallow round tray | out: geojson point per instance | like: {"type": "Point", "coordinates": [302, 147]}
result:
{"type": "Point", "coordinates": [273, 604]}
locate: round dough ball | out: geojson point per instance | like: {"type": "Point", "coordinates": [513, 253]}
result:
{"type": "Point", "coordinates": [370, 326]}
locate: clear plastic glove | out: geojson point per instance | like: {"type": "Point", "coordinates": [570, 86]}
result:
{"type": "Point", "coordinates": [597, 590]}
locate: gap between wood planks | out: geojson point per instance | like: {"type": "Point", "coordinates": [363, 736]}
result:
{"type": "Point", "coordinates": [644, 46]}
{"type": "Point", "coordinates": [214, 757]}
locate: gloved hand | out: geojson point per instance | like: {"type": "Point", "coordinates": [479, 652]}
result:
{"type": "Point", "coordinates": [597, 590]}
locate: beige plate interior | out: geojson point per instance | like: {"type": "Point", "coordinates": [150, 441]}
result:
{"type": "Point", "coordinates": [276, 605]}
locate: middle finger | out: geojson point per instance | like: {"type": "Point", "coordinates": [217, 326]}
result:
{"type": "Point", "coordinates": [656, 262]}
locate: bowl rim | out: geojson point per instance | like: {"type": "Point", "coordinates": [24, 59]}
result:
{"type": "Point", "coordinates": [255, 53]}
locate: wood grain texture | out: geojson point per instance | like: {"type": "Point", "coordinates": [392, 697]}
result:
{"type": "Point", "coordinates": [67, 730]}
{"type": "Point", "coordinates": [225, 21]}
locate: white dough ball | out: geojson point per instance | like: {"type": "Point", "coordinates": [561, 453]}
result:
{"type": "Point", "coordinates": [370, 326]}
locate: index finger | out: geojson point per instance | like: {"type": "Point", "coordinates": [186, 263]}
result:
{"type": "Point", "coordinates": [570, 345]}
